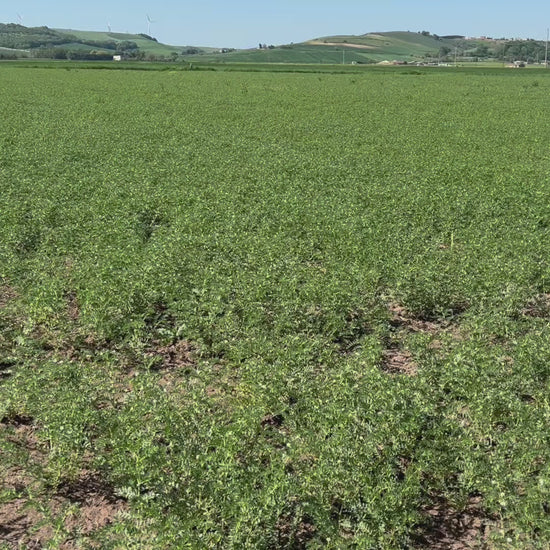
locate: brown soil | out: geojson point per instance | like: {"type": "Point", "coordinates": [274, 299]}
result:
{"type": "Point", "coordinates": [7, 294]}
{"type": "Point", "coordinates": [98, 505]}
{"type": "Point", "coordinates": [19, 526]}
{"type": "Point", "coordinates": [73, 310]}
{"type": "Point", "coordinates": [539, 306]}
{"type": "Point", "coordinates": [272, 421]}
{"type": "Point", "coordinates": [398, 361]}
{"type": "Point", "coordinates": [17, 420]}
{"type": "Point", "coordinates": [401, 318]}
{"type": "Point", "coordinates": [294, 534]}
{"type": "Point", "coordinates": [174, 356]}
{"type": "Point", "coordinates": [86, 505]}
{"type": "Point", "coordinates": [450, 529]}
{"type": "Point", "coordinates": [172, 362]}
{"type": "Point", "coordinates": [395, 359]}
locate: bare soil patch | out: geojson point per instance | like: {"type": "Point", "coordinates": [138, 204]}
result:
{"type": "Point", "coordinates": [172, 361]}
{"type": "Point", "coordinates": [398, 360]}
{"type": "Point", "coordinates": [7, 294]}
{"type": "Point", "coordinates": [20, 526]}
{"type": "Point", "coordinates": [293, 532]}
{"type": "Point", "coordinates": [17, 420]}
{"type": "Point", "coordinates": [401, 318]}
{"type": "Point", "coordinates": [451, 529]}
{"type": "Point", "coordinates": [73, 310]}
{"type": "Point", "coordinates": [173, 356]}
{"type": "Point", "coordinates": [87, 505]}
{"type": "Point", "coordinates": [97, 504]}
{"type": "Point", "coordinates": [539, 306]}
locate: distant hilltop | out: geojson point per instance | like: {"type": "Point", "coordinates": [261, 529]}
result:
{"type": "Point", "coordinates": [43, 42]}
{"type": "Point", "coordinates": [395, 47]}
{"type": "Point", "coordinates": [400, 47]}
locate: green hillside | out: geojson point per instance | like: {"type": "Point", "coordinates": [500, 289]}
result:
{"type": "Point", "coordinates": [367, 48]}
{"type": "Point", "coordinates": [389, 45]}
{"type": "Point", "coordinates": [146, 44]}
{"type": "Point", "coordinates": [416, 46]}
{"type": "Point", "coordinates": [295, 53]}
{"type": "Point", "coordinates": [75, 44]}
{"type": "Point", "coordinates": [402, 46]}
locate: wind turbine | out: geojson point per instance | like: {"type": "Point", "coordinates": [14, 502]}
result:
{"type": "Point", "coordinates": [20, 18]}
{"type": "Point", "coordinates": [149, 21]}
{"type": "Point", "coordinates": [108, 26]}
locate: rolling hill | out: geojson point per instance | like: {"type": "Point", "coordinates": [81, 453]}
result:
{"type": "Point", "coordinates": [367, 48]}
{"type": "Point", "coordinates": [375, 47]}
{"type": "Point", "coordinates": [18, 40]}
{"type": "Point", "coordinates": [145, 43]}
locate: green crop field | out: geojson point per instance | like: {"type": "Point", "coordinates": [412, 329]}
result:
{"type": "Point", "coordinates": [300, 53]}
{"type": "Point", "coordinates": [274, 311]}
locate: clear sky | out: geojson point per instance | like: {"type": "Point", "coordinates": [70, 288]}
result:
{"type": "Point", "coordinates": [245, 23]}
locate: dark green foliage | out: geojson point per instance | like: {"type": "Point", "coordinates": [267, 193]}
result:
{"type": "Point", "coordinates": [21, 37]}
{"type": "Point", "coordinates": [525, 50]}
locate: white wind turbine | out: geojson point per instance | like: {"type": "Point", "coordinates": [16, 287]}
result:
{"type": "Point", "coordinates": [108, 26]}
{"type": "Point", "coordinates": [20, 18]}
{"type": "Point", "coordinates": [149, 21]}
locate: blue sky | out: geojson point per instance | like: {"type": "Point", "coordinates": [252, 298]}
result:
{"type": "Point", "coordinates": [245, 23]}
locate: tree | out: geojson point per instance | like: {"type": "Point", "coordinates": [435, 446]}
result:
{"type": "Point", "coordinates": [126, 45]}
{"type": "Point", "coordinates": [482, 51]}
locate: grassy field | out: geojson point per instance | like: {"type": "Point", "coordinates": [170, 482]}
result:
{"type": "Point", "coordinates": [256, 310]}
{"type": "Point", "coordinates": [297, 54]}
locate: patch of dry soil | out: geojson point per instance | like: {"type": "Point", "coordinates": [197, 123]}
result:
{"type": "Point", "coordinates": [450, 529]}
